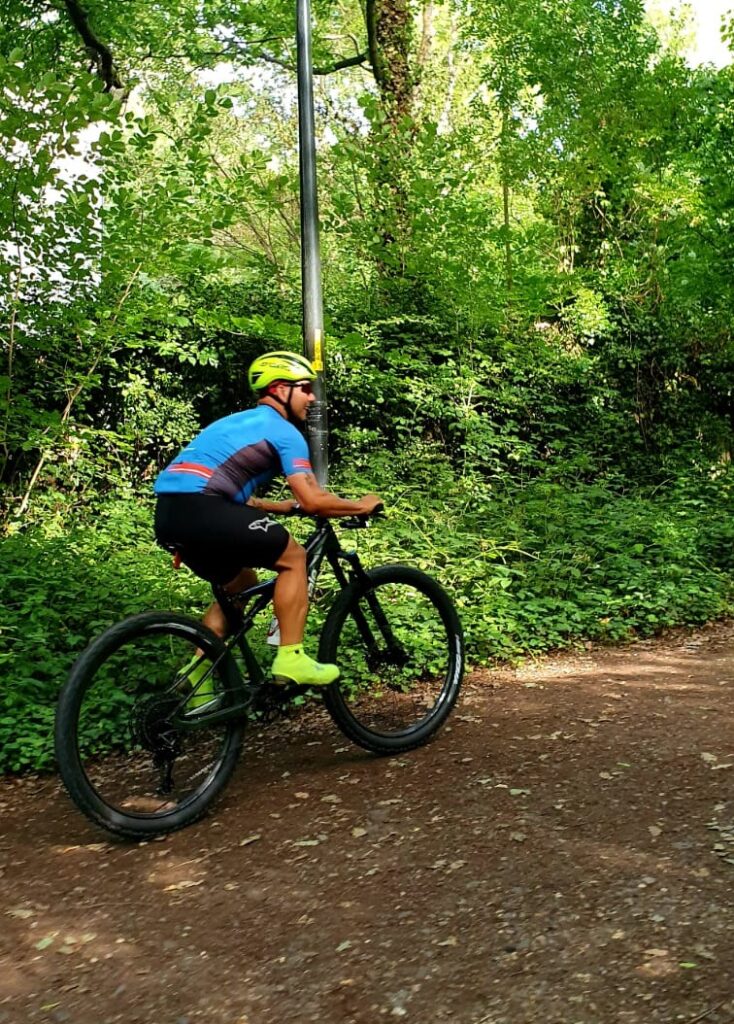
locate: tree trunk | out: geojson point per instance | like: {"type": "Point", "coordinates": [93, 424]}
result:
{"type": "Point", "coordinates": [391, 36]}
{"type": "Point", "coordinates": [391, 32]}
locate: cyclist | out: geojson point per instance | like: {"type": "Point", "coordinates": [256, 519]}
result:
{"type": "Point", "coordinates": [207, 508]}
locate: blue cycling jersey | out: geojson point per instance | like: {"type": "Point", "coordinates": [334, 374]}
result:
{"type": "Point", "coordinates": [235, 455]}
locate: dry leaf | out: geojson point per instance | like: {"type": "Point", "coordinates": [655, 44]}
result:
{"type": "Point", "coordinates": [250, 839]}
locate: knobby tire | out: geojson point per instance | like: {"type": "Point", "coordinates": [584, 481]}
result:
{"type": "Point", "coordinates": [99, 679]}
{"type": "Point", "coordinates": [396, 691]}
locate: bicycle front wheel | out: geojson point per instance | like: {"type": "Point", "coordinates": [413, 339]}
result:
{"type": "Point", "coordinates": [398, 642]}
{"type": "Point", "coordinates": [130, 756]}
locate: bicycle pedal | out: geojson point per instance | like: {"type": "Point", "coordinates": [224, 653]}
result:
{"type": "Point", "coordinates": [283, 693]}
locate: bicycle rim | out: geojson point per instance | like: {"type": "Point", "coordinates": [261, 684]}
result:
{"type": "Point", "coordinates": [124, 745]}
{"type": "Point", "coordinates": [399, 647]}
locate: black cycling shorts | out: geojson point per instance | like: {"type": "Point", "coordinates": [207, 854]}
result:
{"type": "Point", "coordinates": [217, 538]}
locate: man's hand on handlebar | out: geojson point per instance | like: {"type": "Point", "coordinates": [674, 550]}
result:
{"type": "Point", "coordinates": [370, 504]}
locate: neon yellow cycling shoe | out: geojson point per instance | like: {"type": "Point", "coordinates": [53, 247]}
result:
{"type": "Point", "coordinates": [205, 698]}
{"type": "Point", "coordinates": [293, 665]}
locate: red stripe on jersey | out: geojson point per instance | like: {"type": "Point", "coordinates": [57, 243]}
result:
{"type": "Point", "coordinates": [191, 467]}
{"type": "Point", "coordinates": [301, 464]}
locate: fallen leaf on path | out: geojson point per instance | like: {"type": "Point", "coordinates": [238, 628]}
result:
{"type": "Point", "coordinates": [250, 839]}
{"type": "Point", "coordinates": [21, 912]}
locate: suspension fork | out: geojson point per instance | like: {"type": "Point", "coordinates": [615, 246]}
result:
{"type": "Point", "coordinates": [357, 575]}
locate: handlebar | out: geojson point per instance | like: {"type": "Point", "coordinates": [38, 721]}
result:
{"type": "Point", "coordinates": [362, 521]}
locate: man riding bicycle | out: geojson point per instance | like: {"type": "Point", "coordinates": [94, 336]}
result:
{"type": "Point", "coordinates": [207, 509]}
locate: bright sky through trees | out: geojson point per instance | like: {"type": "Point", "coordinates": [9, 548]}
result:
{"type": "Point", "coordinates": [707, 14]}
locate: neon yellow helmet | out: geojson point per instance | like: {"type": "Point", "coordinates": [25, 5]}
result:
{"type": "Point", "coordinates": [276, 366]}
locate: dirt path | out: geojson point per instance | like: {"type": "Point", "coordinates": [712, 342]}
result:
{"type": "Point", "coordinates": [558, 855]}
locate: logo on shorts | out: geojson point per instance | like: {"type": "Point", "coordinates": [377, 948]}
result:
{"type": "Point", "coordinates": [262, 524]}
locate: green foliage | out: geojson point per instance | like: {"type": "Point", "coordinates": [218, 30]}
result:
{"type": "Point", "coordinates": [60, 588]}
{"type": "Point", "coordinates": [531, 568]}
{"type": "Point", "coordinates": [527, 238]}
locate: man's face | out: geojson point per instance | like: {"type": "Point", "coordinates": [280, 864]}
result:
{"type": "Point", "coordinates": [301, 397]}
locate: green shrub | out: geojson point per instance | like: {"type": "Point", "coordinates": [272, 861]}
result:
{"type": "Point", "coordinates": [531, 567]}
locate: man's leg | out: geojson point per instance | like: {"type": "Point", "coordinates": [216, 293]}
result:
{"type": "Point", "coordinates": [290, 603]}
{"type": "Point", "coordinates": [205, 692]}
{"type": "Point", "coordinates": [215, 618]}
{"type": "Point", "coordinates": [290, 597]}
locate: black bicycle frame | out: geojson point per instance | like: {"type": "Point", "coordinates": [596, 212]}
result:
{"type": "Point", "coordinates": [240, 611]}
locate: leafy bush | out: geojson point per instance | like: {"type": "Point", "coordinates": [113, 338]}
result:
{"type": "Point", "coordinates": [58, 590]}
{"type": "Point", "coordinates": [531, 567]}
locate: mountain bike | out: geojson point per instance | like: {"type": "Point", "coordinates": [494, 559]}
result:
{"type": "Point", "coordinates": [138, 763]}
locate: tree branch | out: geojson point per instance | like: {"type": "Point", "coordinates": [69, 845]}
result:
{"type": "Point", "coordinates": [347, 62]}
{"type": "Point", "coordinates": [339, 65]}
{"type": "Point", "coordinates": [76, 391]}
{"type": "Point", "coordinates": [97, 50]}
{"type": "Point", "coordinates": [370, 18]}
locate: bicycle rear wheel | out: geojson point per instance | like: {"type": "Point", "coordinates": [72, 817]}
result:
{"type": "Point", "coordinates": [130, 757]}
{"type": "Point", "coordinates": [400, 649]}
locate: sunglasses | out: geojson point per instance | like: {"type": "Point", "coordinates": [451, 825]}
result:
{"type": "Point", "coordinates": [305, 386]}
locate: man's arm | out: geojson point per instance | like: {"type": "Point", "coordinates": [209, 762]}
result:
{"type": "Point", "coordinates": [272, 506]}
{"type": "Point", "coordinates": [314, 500]}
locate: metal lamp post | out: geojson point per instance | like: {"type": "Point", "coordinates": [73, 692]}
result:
{"type": "Point", "coordinates": [313, 308]}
